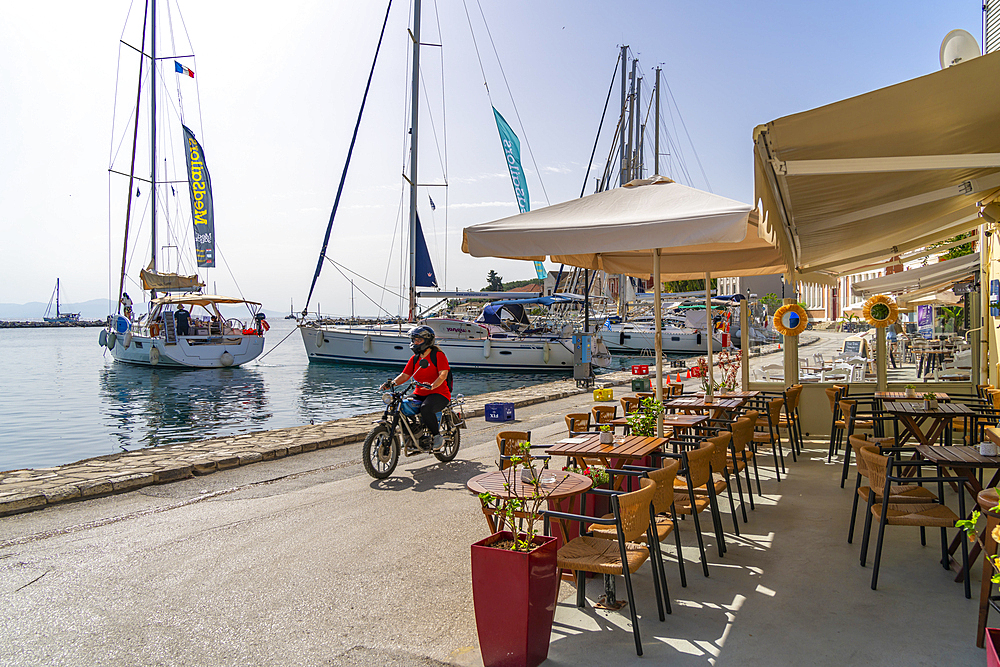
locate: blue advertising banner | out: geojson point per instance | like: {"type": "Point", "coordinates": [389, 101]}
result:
{"type": "Point", "coordinates": [512, 151]}
{"type": "Point", "coordinates": [925, 321]}
{"type": "Point", "coordinates": [202, 211]}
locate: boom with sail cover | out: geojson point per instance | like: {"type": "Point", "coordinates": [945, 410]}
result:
{"type": "Point", "coordinates": [202, 210]}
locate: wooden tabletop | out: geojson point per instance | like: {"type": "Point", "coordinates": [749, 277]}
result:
{"type": "Point", "coordinates": [624, 447]}
{"type": "Point", "coordinates": [731, 394]}
{"type": "Point", "coordinates": [698, 403]}
{"type": "Point", "coordinates": [677, 421]}
{"type": "Point", "coordinates": [901, 396]}
{"type": "Point", "coordinates": [917, 408]}
{"type": "Point", "coordinates": [957, 456]}
{"type": "Point", "coordinates": [563, 484]}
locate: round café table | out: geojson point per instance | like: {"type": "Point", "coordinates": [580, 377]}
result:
{"type": "Point", "coordinates": [557, 486]}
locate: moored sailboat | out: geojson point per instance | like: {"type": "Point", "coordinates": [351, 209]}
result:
{"type": "Point", "coordinates": [183, 327]}
{"type": "Point", "coordinates": [59, 317]}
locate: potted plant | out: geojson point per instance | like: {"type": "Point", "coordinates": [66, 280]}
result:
{"type": "Point", "coordinates": [930, 401]}
{"type": "Point", "coordinates": [607, 437]}
{"type": "Point", "coordinates": [514, 576]}
{"type": "Point", "coordinates": [991, 636]}
{"type": "Point", "coordinates": [910, 391]}
{"type": "Point", "coordinates": [643, 421]}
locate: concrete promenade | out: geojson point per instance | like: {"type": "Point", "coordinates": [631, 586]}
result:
{"type": "Point", "coordinates": [304, 560]}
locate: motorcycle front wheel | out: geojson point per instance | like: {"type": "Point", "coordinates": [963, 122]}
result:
{"type": "Point", "coordinates": [380, 453]}
{"type": "Point", "coordinates": [452, 440]}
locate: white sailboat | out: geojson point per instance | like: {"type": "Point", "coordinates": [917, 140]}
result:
{"type": "Point", "coordinates": [468, 345]}
{"type": "Point", "coordinates": [59, 317]}
{"type": "Point", "coordinates": [183, 327]}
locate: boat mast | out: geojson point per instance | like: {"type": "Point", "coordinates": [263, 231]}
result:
{"type": "Point", "coordinates": [152, 140]}
{"type": "Point", "coordinates": [414, 118]}
{"type": "Point", "coordinates": [57, 298]}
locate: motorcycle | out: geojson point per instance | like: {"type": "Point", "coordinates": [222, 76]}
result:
{"type": "Point", "coordinates": [401, 430]}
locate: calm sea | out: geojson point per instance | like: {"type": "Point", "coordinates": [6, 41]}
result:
{"type": "Point", "coordinates": [62, 399]}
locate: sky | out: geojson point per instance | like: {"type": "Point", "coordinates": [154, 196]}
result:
{"type": "Point", "coordinates": [280, 85]}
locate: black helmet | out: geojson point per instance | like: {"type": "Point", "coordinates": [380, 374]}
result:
{"type": "Point", "coordinates": [421, 338]}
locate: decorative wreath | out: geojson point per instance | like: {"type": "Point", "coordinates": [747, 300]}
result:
{"type": "Point", "coordinates": [881, 311]}
{"type": "Point", "coordinates": [791, 319]}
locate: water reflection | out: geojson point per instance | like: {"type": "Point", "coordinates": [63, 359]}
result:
{"type": "Point", "coordinates": [150, 407]}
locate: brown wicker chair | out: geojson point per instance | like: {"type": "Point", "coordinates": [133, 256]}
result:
{"type": "Point", "coordinates": [789, 418]}
{"type": "Point", "coordinates": [902, 494]}
{"type": "Point", "coordinates": [835, 394]}
{"type": "Point", "coordinates": [632, 519]}
{"type": "Point", "coordinates": [630, 404]}
{"type": "Point", "coordinates": [741, 454]}
{"type": "Point", "coordinates": [602, 414]}
{"type": "Point", "coordinates": [767, 433]}
{"type": "Point", "coordinates": [578, 422]}
{"type": "Point", "coordinates": [721, 469]}
{"type": "Point", "coordinates": [509, 442]}
{"type": "Point", "coordinates": [696, 468]}
{"type": "Point", "coordinates": [935, 514]}
{"type": "Point", "coordinates": [663, 509]}
{"type": "Point", "coordinates": [849, 411]}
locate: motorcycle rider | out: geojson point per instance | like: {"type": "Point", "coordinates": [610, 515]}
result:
{"type": "Point", "coordinates": [429, 367]}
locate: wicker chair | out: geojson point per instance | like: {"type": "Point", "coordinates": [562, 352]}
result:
{"type": "Point", "coordinates": [849, 411]}
{"type": "Point", "coordinates": [721, 469]}
{"type": "Point", "coordinates": [578, 422]}
{"type": "Point", "coordinates": [630, 404]}
{"type": "Point", "coordinates": [835, 394]}
{"type": "Point", "coordinates": [901, 494]}
{"type": "Point", "coordinates": [935, 514]}
{"type": "Point", "coordinates": [602, 414]}
{"type": "Point", "coordinates": [770, 437]}
{"type": "Point", "coordinates": [696, 466]}
{"type": "Point", "coordinates": [789, 418]}
{"type": "Point", "coordinates": [509, 444]}
{"type": "Point", "coordinates": [742, 454]}
{"type": "Point", "coordinates": [663, 510]}
{"type": "Point", "coordinates": [632, 518]}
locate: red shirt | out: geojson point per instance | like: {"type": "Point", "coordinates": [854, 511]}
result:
{"type": "Point", "coordinates": [428, 375]}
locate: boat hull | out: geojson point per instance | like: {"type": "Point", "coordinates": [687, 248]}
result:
{"type": "Point", "coordinates": [377, 347]}
{"type": "Point", "coordinates": [632, 341]}
{"type": "Point", "coordinates": [189, 351]}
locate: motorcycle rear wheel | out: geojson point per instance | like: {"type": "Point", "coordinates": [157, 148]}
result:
{"type": "Point", "coordinates": [380, 453]}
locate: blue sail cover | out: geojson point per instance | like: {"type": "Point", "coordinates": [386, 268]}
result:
{"type": "Point", "coordinates": [202, 210]}
{"type": "Point", "coordinates": [503, 314]}
{"type": "Point", "coordinates": [425, 270]}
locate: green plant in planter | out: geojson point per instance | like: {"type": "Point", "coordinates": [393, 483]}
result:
{"type": "Point", "coordinates": [969, 526]}
{"type": "Point", "coordinates": [604, 427]}
{"type": "Point", "coordinates": [598, 474]}
{"type": "Point", "coordinates": [524, 509]}
{"type": "Point", "coordinates": [643, 422]}
{"type": "Point", "coordinates": [930, 396]}
{"type": "Point", "coordinates": [910, 386]}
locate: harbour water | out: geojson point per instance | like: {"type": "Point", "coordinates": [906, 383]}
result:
{"type": "Point", "coordinates": [63, 400]}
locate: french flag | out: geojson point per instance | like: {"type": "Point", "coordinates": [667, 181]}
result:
{"type": "Point", "coordinates": [180, 69]}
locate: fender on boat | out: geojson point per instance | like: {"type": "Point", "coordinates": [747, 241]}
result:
{"type": "Point", "coordinates": [226, 359]}
{"type": "Point", "coordinates": [547, 352]}
{"type": "Point", "coordinates": [103, 337]}
{"type": "Point", "coordinates": [319, 339]}
{"type": "Point", "coordinates": [154, 355]}
{"type": "Point", "coordinates": [487, 348]}
{"type": "Point", "coordinates": [127, 342]}
{"type": "Point", "coordinates": [366, 344]}
{"type": "Point", "coordinates": [112, 339]}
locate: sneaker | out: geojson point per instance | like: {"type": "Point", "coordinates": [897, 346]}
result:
{"type": "Point", "coordinates": [438, 442]}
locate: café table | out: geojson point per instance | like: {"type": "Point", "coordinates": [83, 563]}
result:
{"type": "Point", "coordinates": [901, 396]}
{"type": "Point", "coordinates": [718, 406]}
{"type": "Point", "coordinates": [624, 449]}
{"type": "Point", "coordinates": [965, 462]}
{"type": "Point", "coordinates": [914, 416]}
{"type": "Point", "coordinates": [675, 422]}
{"type": "Point", "coordinates": [559, 487]}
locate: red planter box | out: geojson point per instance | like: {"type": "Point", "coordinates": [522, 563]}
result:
{"type": "Point", "coordinates": [992, 647]}
{"type": "Point", "coordinates": [515, 599]}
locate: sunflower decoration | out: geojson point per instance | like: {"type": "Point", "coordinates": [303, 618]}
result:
{"type": "Point", "coordinates": [791, 319]}
{"type": "Point", "coordinates": [881, 311]}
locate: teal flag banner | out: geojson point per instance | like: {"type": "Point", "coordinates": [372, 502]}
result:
{"type": "Point", "coordinates": [512, 152]}
{"type": "Point", "coordinates": [202, 211]}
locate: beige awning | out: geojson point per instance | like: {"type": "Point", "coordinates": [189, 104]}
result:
{"type": "Point", "coordinates": [617, 231]}
{"type": "Point", "coordinates": [200, 299]}
{"type": "Point", "coordinates": [152, 280]}
{"type": "Point", "coordinates": [882, 173]}
{"type": "Point", "coordinates": [936, 275]}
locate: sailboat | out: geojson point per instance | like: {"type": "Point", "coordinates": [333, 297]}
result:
{"type": "Point", "coordinates": [506, 344]}
{"type": "Point", "coordinates": [60, 317]}
{"type": "Point", "coordinates": [183, 327]}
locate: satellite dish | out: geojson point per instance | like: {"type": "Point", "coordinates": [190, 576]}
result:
{"type": "Point", "coordinates": [958, 46]}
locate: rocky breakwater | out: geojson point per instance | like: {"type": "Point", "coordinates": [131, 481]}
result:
{"type": "Point", "coordinates": [34, 324]}
{"type": "Point", "coordinates": [31, 489]}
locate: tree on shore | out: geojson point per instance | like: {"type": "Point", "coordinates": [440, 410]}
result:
{"type": "Point", "coordinates": [494, 282]}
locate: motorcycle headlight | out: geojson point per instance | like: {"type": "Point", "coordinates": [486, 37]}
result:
{"type": "Point", "coordinates": [387, 397]}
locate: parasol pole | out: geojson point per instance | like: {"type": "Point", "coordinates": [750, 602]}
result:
{"type": "Point", "coordinates": [710, 389]}
{"type": "Point", "coordinates": [657, 340]}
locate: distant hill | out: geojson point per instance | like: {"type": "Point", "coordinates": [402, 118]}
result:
{"type": "Point", "coordinates": [97, 309]}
